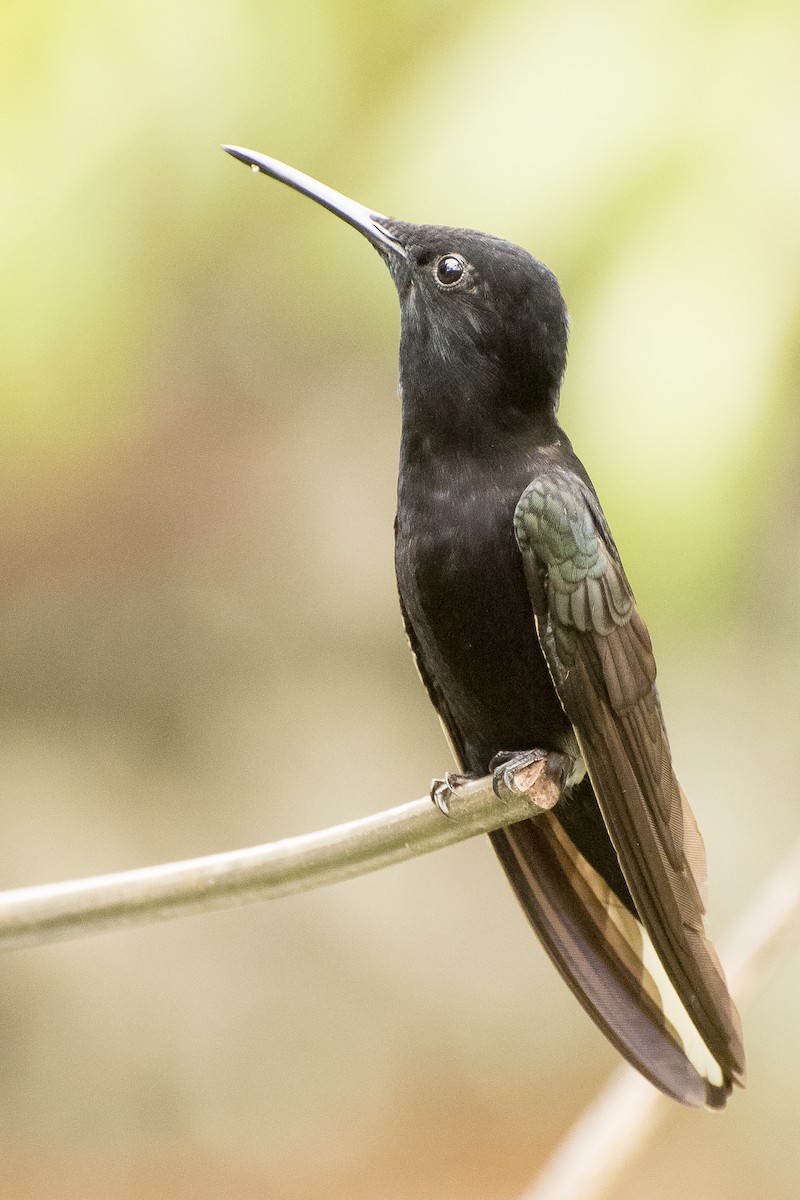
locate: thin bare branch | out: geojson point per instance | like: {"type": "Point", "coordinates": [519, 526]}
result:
{"type": "Point", "coordinates": [610, 1133]}
{"type": "Point", "coordinates": [32, 916]}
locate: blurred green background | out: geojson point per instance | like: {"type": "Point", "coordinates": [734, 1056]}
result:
{"type": "Point", "coordinates": [199, 443]}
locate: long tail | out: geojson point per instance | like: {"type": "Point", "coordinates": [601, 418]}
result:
{"type": "Point", "coordinates": [606, 957]}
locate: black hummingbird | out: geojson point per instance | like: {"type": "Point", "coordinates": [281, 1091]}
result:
{"type": "Point", "coordinates": [527, 636]}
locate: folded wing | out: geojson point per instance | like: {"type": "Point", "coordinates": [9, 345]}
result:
{"type": "Point", "coordinates": [600, 658]}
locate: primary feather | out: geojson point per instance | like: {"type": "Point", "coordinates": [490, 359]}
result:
{"type": "Point", "coordinates": [600, 658]}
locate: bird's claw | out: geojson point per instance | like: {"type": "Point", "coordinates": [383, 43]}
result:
{"type": "Point", "coordinates": [442, 790]}
{"type": "Point", "coordinates": [509, 769]}
{"type": "Point", "coordinates": [536, 773]}
{"type": "Point", "coordinates": [522, 774]}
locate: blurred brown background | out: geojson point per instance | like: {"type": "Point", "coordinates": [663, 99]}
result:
{"type": "Point", "coordinates": [199, 443]}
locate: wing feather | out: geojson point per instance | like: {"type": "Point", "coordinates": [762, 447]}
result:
{"type": "Point", "coordinates": [607, 959]}
{"type": "Point", "coordinates": [601, 661]}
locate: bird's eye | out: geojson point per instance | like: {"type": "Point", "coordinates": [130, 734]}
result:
{"type": "Point", "coordinates": [450, 270]}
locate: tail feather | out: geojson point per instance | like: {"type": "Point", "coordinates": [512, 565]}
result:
{"type": "Point", "coordinates": [607, 959]}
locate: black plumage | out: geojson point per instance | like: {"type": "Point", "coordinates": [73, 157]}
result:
{"type": "Point", "coordinates": [527, 635]}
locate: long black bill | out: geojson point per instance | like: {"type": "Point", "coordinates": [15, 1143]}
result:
{"type": "Point", "coordinates": [361, 218]}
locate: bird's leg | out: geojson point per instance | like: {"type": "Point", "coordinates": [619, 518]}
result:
{"type": "Point", "coordinates": [520, 771]}
{"type": "Point", "coordinates": [442, 789]}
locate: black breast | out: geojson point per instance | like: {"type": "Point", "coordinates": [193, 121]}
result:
{"type": "Point", "coordinates": [468, 613]}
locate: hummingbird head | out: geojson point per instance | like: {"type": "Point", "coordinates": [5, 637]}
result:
{"type": "Point", "coordinates": [482, 320]}
{"type": "Point", "coordinates": [478, 309]}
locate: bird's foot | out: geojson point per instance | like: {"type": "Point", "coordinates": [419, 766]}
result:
{"type": "Point", "coordinates": [516, 770]}
{"type": "Point", "coordinates": [522, 771]}
{"type": "Point", "coordinates": [442, 789]}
